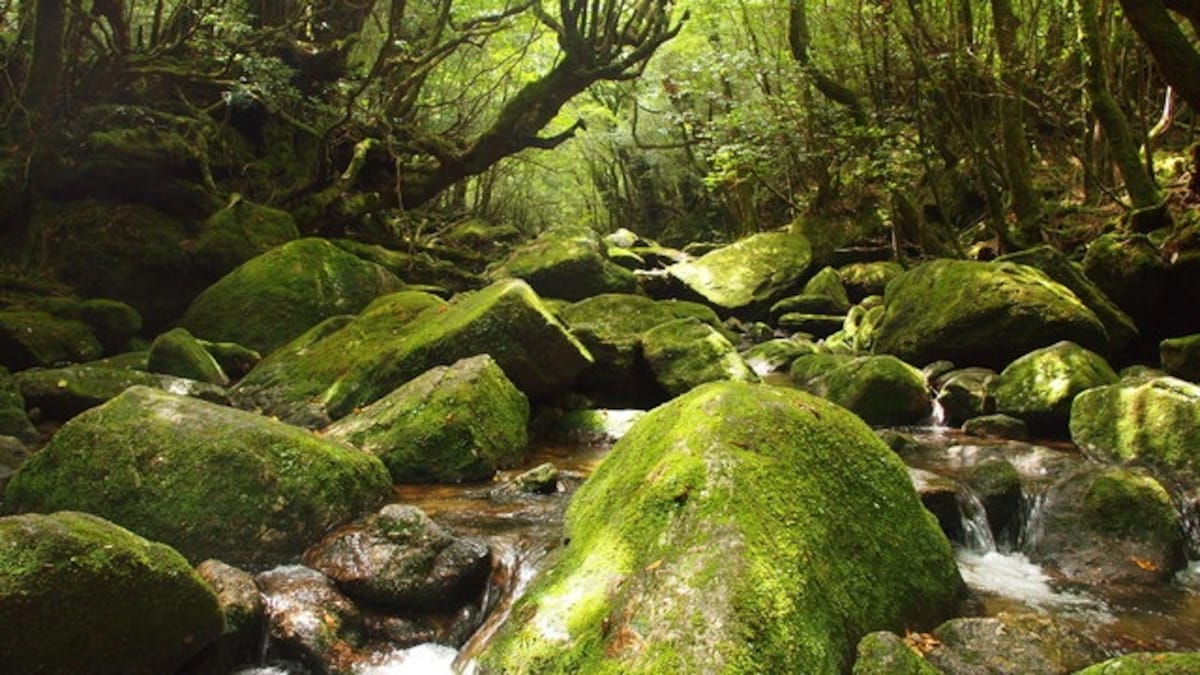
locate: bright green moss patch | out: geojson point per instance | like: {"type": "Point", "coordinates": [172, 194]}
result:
{"type": "Point", "coordinates": [1131, 505]}
{"type": "Point", "coordinates": [1040, 386]}
{"type": "Point", "coordinates": [738, 528]}
{"type": "Point", "coordinates": [686, 353]}
{"type": "Point", "coordinates": [745, 277]}
{"type": "Point", "coordinates": [566, 263]}
{"type": "Point", "coordinates": [882, 390]}
{"type": "Point", "coordinates": [1165, 663]}
{"type": "Point", "coordinates": [29, 339]}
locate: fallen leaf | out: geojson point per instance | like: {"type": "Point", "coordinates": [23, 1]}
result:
{"type": "Point", "coordinates": [1144, 564]}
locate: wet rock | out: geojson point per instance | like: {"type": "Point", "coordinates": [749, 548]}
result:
{"type": "Point", "coordinates": [981, 314]}
{"type": "Point", "coordinates": [776, 355]}
{"type": "Point", "coordinates": [1122, 333]}
{"type": "Point", "coordinates": [451, 424]}
{"type": "Point", "coordinates": [1160, 663]}
{"type": "Point", "coordinates": [234, 359]}
{"type": "Point", "coordinates": [1010, 643]}
{"type": "Point", "coordinates": [327, 374]}
{"type": "Point", "coordinates": [1110, 526]}
{"type": "Point", "coordinates": [80, 595]}
{"type": "Point", "coordinates": [401, 559]}
{"type": "Point", "coordinates": [807, 304]}
{"type": "Point", "coordinates": [1040, 386]}
{"type": "Point", "coordinates": [13, 420]}
{"type": "Point", "coordinates": [828, 284]}
{"type": "Point", "coordinates": [687, 353]}
{"type": "Point", "coordinates": [211, 481]}
{"type": "Point", "coordinates": [996, 426]}
{"type": "Point", "coordinates": [178, 353]}
{"type": "Point", "coordinates": [242, 608]}
{"type": "Point", "coordinates": [998, 485]}
{"type": "Point", "coordinates": [746, 277]}
{"type": "Point", "coordinates": [882, 390]}
{"type": "Point", "coordinates": [702, 543]}
{"type": "Point", "coordinates": [278, 295]}
{"type": "Point", "coordinates": [963, 394]}
{"type": "Point", "coordinates": [588, 427]}
{"type": "Point", "coordinates": [540, 480]}
{"type": "Point", "coordinates": [29, 339]}
{"type": "Point", "coordinates": [1181, 357]}
{"type": "Point", "coordinates": [566, 263]}
{"type": "Point", "coordinates": [901, 443]}
{"type": "Point", "coordinates": [310, 621]}
{"type": "Point", "coordinates": [939, 496]}
{"type": "Point", "coordinates": [868, 278]}
{"type": "Point", "coordinates": [884, 653]}
{"type": "Point", "coordinates": [63, 393]}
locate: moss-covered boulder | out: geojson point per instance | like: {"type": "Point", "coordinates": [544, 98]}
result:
{"type": "Point", "coordinates": [322, 376]}
{"type": "Point", "coordinates": [865, 279]}
{"type": "Point", "coordinates": [817, 325]}
{"type": "Point", "coordinates": [746, 277]}
{"type": "Point", "coordinates": [1030, 644]}
{"type": "Point", "coordinates": [981, 314]}
{"type": "Point", "coordinates": [882, 390]}
{"type": "Point", "coordinates": [998, 484]}
{"type": "Point", "coordinates": [566, 263]}
{"type": "Point", "coordinates": [963, 393]}
{"type": "Point", "coordinates": [611, 327]}
{"type": "Point", "coordinates": [996, 426]}
{"type": "Point", "coordinates": [30, 338]}
{"type": "Point", "coordinates": [828, 283]}
{"type": "Point", "coordinates": [62, 393]}
{"type": "Point", "coordinates": [1180, 357]}
{"type": "Point", "coordinates": [686, 353]}
{"type": "Point", "coordinates": [113, 322]}
{"type": "Point", "coordinates": [12, 454]}
{"type": "Point", "coordinates": [884, 653]}
{"type": "Point", "coordinates": [1131, 271]}
{"type": "Point", "coordinates": [80, 595]}
{"type": "Point", "coordinates": [805, 303]}
{"type": "Point", "coordinates": [776, 355]}
{"type": "Point", "coordinates": [1122, 333]}
{"type": "Point", "coordinates": [13, 420]}
{"type": "Point", "coordinates": [1040, 386]}
{"type": "Point", "coordinates": [451, 424]}
{"type": "Point", "coordinates": [739, 528]}
{"type": "Point", "coordinates": [417, 267]}
{"type": "Point", "coordinates": [1152, 421]}
{"type": "Point", "coordinates": [1147, 663]}
{"type": "Point", "coordinates": [280, 294]}
{"type": "Point", "coordinates": [238, 232]}
{"type": "Point", "coordinates": [242, 610]}
{"type": "Point", "coordinates": [211, 481]}
{"type": "Point", "coordinates": [177, 352]}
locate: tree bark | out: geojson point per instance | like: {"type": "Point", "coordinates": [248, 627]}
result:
{"type": "Point", "coordinates": [1124, 150]}
{"type": "Point", "coordinates": [798, 42]}
{"type": "Point", "coordinates": [1175, 55]}
{"type": "Point", "coordinates": [1026, 204]}
{"type": "Point", "coordinates": [44, 78]}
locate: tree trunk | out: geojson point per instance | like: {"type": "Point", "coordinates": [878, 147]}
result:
{"type": "Point", "coordinates": [1026, 204]}
{"type": "Point", "coordinates": [44, 77]}
{"type": "Point", "coordinates": [1122, 147]}
{"type": "Point", "coordinates": [798, 40]}
{"type": "Point", "coordinates": [1177, 59]}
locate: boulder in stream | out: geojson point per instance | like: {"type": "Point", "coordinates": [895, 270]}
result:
{"type": "Point", "coordinates": [211, 481]}
{"type": "Point", "coordinates": [451, 424]}
{"type": "Point", "coordinates": [981, 314]}
{"type": "Point", "coordinates": [746, 277]}
{"type": "Point", "coordinates": [884, 653]}
{"type": "Point", "coordinates": [1040, 386]}
{"type": "Point", "coordinates": [882, 390]}
{"type": "Point", "coordinates": [242, 609]}
{"type": "Point", "coordinates": [863, 279]}
{"type": "Point", "coordinates": [1010, 643]}
{"type": "Point", "coordinates": [1147, 663]}
{"type": "Point", "coordinates": [79, 594]}
{"type": "Point", "coordinates": [963, 393]}
{"type": "Point", "coordinates": [566, 263]}
{"type": "Point", "coordinates": [1181, 357]}
{"type": "Point", "coordinates": [738, 528]}
{"type": "Point", "coordinates": [686, 353]}
{"type": "Point", "coordinates": [62, 393]}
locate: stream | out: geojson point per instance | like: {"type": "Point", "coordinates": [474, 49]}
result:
{"type": "Point", "coordinates": [522, 530]}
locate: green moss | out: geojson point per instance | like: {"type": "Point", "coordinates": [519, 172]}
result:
{"type": "Point", "coordinates": [738, 528]}
{"type": "Point", "coordinates": [996, 426]}
{"type": "Point", "coordinates": [29, 339]}
{"type": "Point", "coordinates": [566, 263]}
{"type": "Point", "coordinates": [238, 232]}
{"type": "Point", "coordinates": [746, 277]}
{"type": "Point", "coordinates": [13, 420]}
{"type": "Point", "coordinates": [209, 480]}
{"type": "Point", "coordinates": [868, 278]}
{"type": "Point", "coordinates": [981, 314]}
{"type": "Point", "coordinates": [686, 353]}
{"type": "Point", "coordinates": [1181, 357]}
{"type": "Point", "coordinates": [1165, 663]}
{"type": "Point", "coordinates": [280, 294]}
{"type": "Point", "coordinates": [828, 284]}
{"type": "Point", "coordinates": [774, 355]}
{"type": "Point", "coordinates": [1133, 506]}
{"type": "Point", "coordinates": [451, 424]}
{"type": "Point", "coordinates": [91, 597]}
{"type": "Point", "coordinates": [1040, 386]}
{"type": "Point", "coordinates": [1154, 421]}
{"type": "Point", "coordinates": [882, 390]}
{"type": "Point", "coordinates": [884, 653]}
{"type": "Point", "coordinates": [177, 353]}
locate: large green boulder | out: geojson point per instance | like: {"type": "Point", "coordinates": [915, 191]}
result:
{"type": "Point", "coordinates": [882, 390]}
{"type": "Point", "coordinates": [280, 294]}
{"type": "Point", "coordinates": [1040, 386]}
{"type": "Point", "coordinates": [13, 420]}
{"type": "Point", "coordinates": [566, 263]}
{"type": "Point", "coordinates": [451, 424]}
{"type": "Point", "coordinates": [80, 595]}
{"type": "Point", "coordinates": [1122, 333]}
{"type": "Point", "coordinates": [1181, 357]}
{"type": "Point", "coordinates": [981, 314]}
{"type": "Point", "coordinates": [211, 481]}
{"type": "Point", "coordinates": [1131, 271]}
{"type": "Point", "coordinates": [177, 352]}
{"type": "Point", "coordinates": [238, 232]}
{"type": "Point", "coordinates": [739, 528]}
{"type": "Point", "coordinates": [30, 338]}
{"type": "Point", "coordinates": [1029, 644]}
{"type": "Point", "coordinates": [62, 393]}
{"type": "Point", "coordinates": [828, 283]}
{"type": "Point", "coordinates": [1147, 663]}
{"type": "Point", "coordinates": [1154, 421]}
{"type": "Point", "coordinates": [686, 353]}
{"type": "Point", "coordinates": [748, 276]}
{"type": "Point", "coordinates": [322, 377]}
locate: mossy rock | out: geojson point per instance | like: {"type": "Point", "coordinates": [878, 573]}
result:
{"type": "Point", "coordinates": [13, 420]}
{"type": "Point", "coordinates": [981, 314]}
{"type": "Point", "coordinates": [113, 322]}
{"type": "Point", "coordinates": [482, 237]}
{"type": "Point", "coordinates": [739, 528]}
{"type": "Point", "coordinates": [1130, 271]}
{"type": "Point", "coordinates": [1131, 504]}
{"type": "Point", "coordinates": [449, 425]}
{"type": "Point", "coordinates": [566, 263]}
{"type": "Point", "coordinates": [418, 268]}
{"type": "Point", "coordinates": [1152, 421]}
{"type": "Point", "coordinates": [211, 481]}
{"type": "Point", "coordinates": [686, 353]}
{"type": "Point", "coordinates": [828, 283]}
{"type": "Point", "coordinates": [82, 595]}
{"type": "Point", "coordinates": [1181, 357]}
{"type": "Point", "coordinates": [996, 426]}
{"type": "Point", "coordinates": [1040, 386]}
{"type": "Point", "coordinates": [240, 231]}
{"type": "Point", "coordinates": [29, 339]}
{"type": "Point", "coordinates": [809, 368]}
{"type": "Point", "coordinates": [323, 377]}
{"type": "Point", "coordinates": [745, 278]}
{"type": "Point", "coordinates": [1011, 643]}
{"type": "Point", "coordinates": [998, 484]}
{"type": "Point", "coordinates": [177, 352]}
{"type": "Point", "coordinates": [963, 394]}
{"type": "Point", "coordinates": [234, 359]}
{"type": "Point", "coordinates": [62, 393]}
{"type": "Point", "coordinates": [1147, 663]}
{"type": "Point", "coordinates": [882, 390]}
{"type": "Point", "coordinates": [243, 611]}
{"type": "Point", "coordinates": [868, 278]}
{"type": "Point", "coordinates": [805, 304]}
{"type": "Point", "coordinates": [818, 325]}
{"type": "Point", "coordinates": [280, 294]}
{"type": "Point", "coordinates": [776, 355]}
{"type": "Point", "coordinates": [884, 653]}
{"type": "Point", "coordinates": [623, 257]}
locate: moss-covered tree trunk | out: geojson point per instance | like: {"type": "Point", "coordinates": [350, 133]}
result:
{"type": "Point", "coordinates": [44, 77]}
{"type": "Point", "coordinates": [1026, 204]}
{"type": "Point", "coordinates": [1175, 55]}
{"type": "Point", "coordinates": [798, 42]}
{"type": "Point", "coordinates": [1124, 150]}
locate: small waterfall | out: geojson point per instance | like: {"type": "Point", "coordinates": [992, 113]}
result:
{"type": "Point", "coordinates": [977, 533]}
{"type": "Point", "coordinates": [937, 417]}
{"type": "Point", "coordinates": [1033, 518]}
{"type": "Point", "coordinates": [513, 568]}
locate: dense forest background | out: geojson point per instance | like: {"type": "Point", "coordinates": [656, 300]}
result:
{"type": "Point", "coordinates": [944, 127]}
